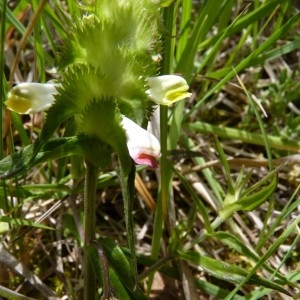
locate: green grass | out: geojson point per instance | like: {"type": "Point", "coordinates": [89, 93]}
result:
{"type": "Point", "coordinates": [231, 228]}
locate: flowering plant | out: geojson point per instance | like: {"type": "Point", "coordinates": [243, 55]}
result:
{"type": "Point", "coordinates": [100, 94]}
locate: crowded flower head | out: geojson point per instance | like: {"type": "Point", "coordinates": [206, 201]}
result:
{"type": "Point", "coordinates": [100, 92]}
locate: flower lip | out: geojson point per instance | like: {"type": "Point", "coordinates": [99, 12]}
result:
{"type": "Point", "coordinates": [33, 97]}
{"type": "Point", "coordinates": [167, 89]}
{"type": "Point", "coordinates": [146, 159]}
{"type": "Point", "coordinates": [143, 147]}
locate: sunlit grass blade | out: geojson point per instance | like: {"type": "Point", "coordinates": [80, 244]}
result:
{"type": "Point", "coordinates": [288, 209]}
{"type": "Point", "coordinates": [207, 173]}
{"type": "Point", "coordinates": [287, 232]}
{"type": "Point", "coordinates": [12, 262]}
{"type": "Point", "coordinates": [247, 61]}
{"type": "Point", "coordinates": [201, 207]}
{"type": "Point", "coordinates": [18, 124]}
{"type": "Point", "coordinates": [12, 20]}
{"type": "Point", "coordinates": [229, 272]}
{"type": "Point", "coordinates": [242, 135]}
{"type": "Point", "coordinates": [234, 243]}
{"type": "Point", "coordinates": [244, 21]}
{"type": "Point", "coordinates": [22, 222]}
{"type": "Point", "coordinates": [206, 287]}
{"type": "Point", "coordinates": [207, 16]}
{"type": "Point", "coordinates": [9, 294]}
{"type": "Point", "coordinates": [39, 47]}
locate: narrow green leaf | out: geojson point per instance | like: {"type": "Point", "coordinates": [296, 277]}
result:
{"type": "Point", "coordinates": [227, 272]}
{"type": "Point", "coordinates": [250, 202]}
{"type": "Point", "coordinates": [247, 61]}
{"type": "Point", "coordinates": [16, 191]}
{"type": "Point", "coordinates": [118, 261]}
{"type": "Point", "coordinates": [269, 252]}
{"type": "Point", "coordinates": [12, 262]}
{"type": "Point", "coordinates": [277, 52]}
{"type": "Point", "coordinates": [244, 21]}
{"type": "Point", "coordinates": [234, 243]}
{"type": "Point", "coordinates": [244, 136]}
{"type": "Point", "coordinates": [18, 124]}
{"type": "Point", "coordinates": [204, 22]}
{"type": "Point", "coordinates": [15, 22]}
{"type": "Point", "coordinates": [118, 289]}
{"type": "Point", "coordinates": [200, 205]}
{"type": "Point", "coordinates": [38, 44]}
{"type": "Point", "coordinates": [122, 269]}
{"type": "Point", "coordinates": [208, 174]}
{"type": "Point", "coordinates": [25, 159]}
{"type": "Point", "coordinates": [23, 222]}
{"type": "Point", "coordinates": [225, 165]}
{"type": "Point", "coordinates": [12, 295]}
{"type": "Point", "coordinates": [171, 271]}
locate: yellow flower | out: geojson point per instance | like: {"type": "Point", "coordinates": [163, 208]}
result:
{"type": "Point", "coordinates": [29, 98]}
{"type": "Point", "coordinates": [167, 89]}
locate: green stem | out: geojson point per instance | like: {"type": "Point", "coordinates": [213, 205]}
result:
{"type": "Point", "coordinates": [164, 187]}
{"type": "Point", "coordinates": [89, 230]}
{"type": "Point", "coordinates": [127, 175]}
{"type": "Point", "coordinates": [2, 93]}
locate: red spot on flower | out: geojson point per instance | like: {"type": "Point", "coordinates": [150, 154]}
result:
{"type": "Point", "coordinates": [146, 159]}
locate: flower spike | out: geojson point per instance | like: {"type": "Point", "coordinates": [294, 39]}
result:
{"type": "Point", "coordinates": [29, 98]}
{"type": "Point", "coordinates": [167, 89]}
{"type": "Point", "coordinates": [143, 146]}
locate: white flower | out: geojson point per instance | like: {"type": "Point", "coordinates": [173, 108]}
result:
{"type": "Point", "coordinates": [167, 89]}
{"type": "Point", "coordinates": [29, 98]}
{"type": "Point", "coordinates": [143, 147]}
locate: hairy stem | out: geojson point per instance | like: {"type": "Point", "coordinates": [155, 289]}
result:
{"type": "Point", "coordinates": [127, 175]}
{"type": "Point", "coordinates": [89, 230]}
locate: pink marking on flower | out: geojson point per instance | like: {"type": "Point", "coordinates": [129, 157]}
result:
{"type": "Point", "coordinates": [143, 146]}
{"type": "Point", "coordinates": [146, 159]}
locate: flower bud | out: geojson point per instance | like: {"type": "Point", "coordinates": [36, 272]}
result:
{"type": "Point", "coordinates": [29, 98]}
{"type": "Point", "coordinates": [167, 89]}
{"type": "Point", "coordinates": [143, 147]}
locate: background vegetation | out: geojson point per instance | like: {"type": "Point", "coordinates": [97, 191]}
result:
{"type": "Point", "coordinates": [219, 219]}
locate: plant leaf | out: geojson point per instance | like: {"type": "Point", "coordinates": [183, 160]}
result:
{"type": "Point", "coordinates": [227, 272]}
{"type": "Point", "coordinates": [249, 203]}
{"type": "Point", "coordinates": [23, 222]}
{"type": "Point", "coordinates": [234, 243]}
{"type": "Point", "coordinates": [122, 268]}
{"type": "Point", "coordinates": [25, 159]}
{"type": "Point", "coordinates": [9, 294]}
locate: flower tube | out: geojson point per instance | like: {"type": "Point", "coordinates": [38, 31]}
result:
{"type": "Point", "coordinates": [143, 147]}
